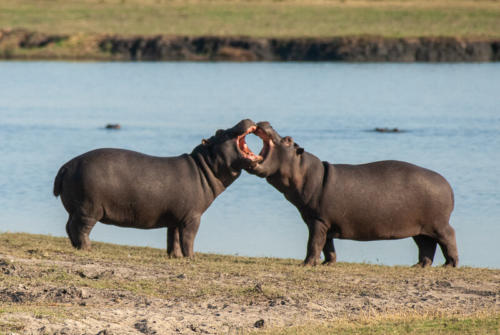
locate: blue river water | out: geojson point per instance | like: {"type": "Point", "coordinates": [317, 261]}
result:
{"type": "Point", "coordinates": [450, 114]}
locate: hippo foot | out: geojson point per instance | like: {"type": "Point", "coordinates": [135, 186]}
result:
{"type": "Point", "coordinates": [328, 263]}
{"type": "Point", "coordinates": [176, 254]}
{"type": "Point", "coordinates": [310, 262]}
{"type": "Point", "coordinates": [83, 247]}
{"type": "Point", "coordinates": [422, 265]}
{"type": "Point", "coordinates": [450, 265]}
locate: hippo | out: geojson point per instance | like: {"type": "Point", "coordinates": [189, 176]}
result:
{"type": "Point", "coordinates": [376, 201]}
{"type": "Point", "coordinates": [113, 126]}
{"type": "Point", "coordinates": [130, 189]}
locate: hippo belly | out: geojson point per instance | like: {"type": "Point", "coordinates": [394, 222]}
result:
{"type": "Point", "coordinates": [124, 188]}
{"type": "Point", "coordinates": [386, 200]}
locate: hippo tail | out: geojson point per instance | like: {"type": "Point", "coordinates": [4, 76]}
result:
{"type": "Point", "coordinates": [59, 181]}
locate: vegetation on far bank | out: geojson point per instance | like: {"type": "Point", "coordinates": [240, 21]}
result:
{"type": "Point", "coordinates": [256, 18]}
{"type": "Point", "coordinates": [44, 281]}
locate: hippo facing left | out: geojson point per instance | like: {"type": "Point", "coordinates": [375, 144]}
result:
{"type": "Point", "coordinates": [382, 200]}
{"type": "Point", "coordinates": [130, 189]}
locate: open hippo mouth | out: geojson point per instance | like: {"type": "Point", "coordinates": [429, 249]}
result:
{"type": "Point", "coordinates": [245, 150]}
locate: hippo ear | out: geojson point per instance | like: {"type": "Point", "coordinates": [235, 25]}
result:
{"type": "Point", "coordinates": [219, 132]}
{"type": "Point", "coordinates": [204, 142]}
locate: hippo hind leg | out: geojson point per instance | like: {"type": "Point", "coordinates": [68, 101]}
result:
{"type": "Point", "coordinates": [426, 249]}
{"type": "Point", "coordinates": [173, 243]}
{"type": "Point", "coordinates": [329, 252]}
{"type": "Point", "coordinates": [447, 242]}
{"type": "Point", "coordinates": [78, 229]}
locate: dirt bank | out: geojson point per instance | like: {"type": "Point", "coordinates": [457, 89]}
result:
{"type": "Point", "coordinates": [22, 44]}
{"type": "Point", "coordinates": [46, 287]}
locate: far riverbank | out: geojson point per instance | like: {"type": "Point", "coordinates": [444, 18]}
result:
{"type": "Point", "coordinates": [31, 45]}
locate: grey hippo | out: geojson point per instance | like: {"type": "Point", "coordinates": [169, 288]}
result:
{"type": "Point", "coordinates": [376, 201]}
{"type": "Point", "coordinates": [131, 189]}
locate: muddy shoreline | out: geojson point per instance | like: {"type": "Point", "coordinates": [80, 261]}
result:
{"type": "Point", "coordinates": [23, 44]}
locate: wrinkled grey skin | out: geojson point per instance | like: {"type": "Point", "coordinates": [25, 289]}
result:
{"type": "Point", "coordinates": [376, 201]}
{"type": "Point", "coordinates": [130, 189]}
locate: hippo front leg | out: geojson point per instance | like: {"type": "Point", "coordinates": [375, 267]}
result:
{"type": "Point", "coordinates": [316, 241]}
{"type": "Point", "coordinates": [187, 233]}
{"type": "Point", "coordinates": [173, 243]}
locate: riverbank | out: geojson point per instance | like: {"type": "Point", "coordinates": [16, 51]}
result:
{"type": "Point", "coordinates": [29, 45]}
{"type": "Point", "coordinates": [257, 30]}
{"type": "Point", "coordinates": [47, 287]}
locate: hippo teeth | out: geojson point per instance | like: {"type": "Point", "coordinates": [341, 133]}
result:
{"type": "Point", "coordinates": [267, 144]}
{"type": "Point", "coordinates": [243, 147]}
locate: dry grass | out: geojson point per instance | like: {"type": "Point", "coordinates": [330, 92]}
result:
{"type": "Point", "coordinates": [264, 18]}
{"type": "Point", "coordinates": [43, 279]}
{"type": "Point", "coordinates": [234, 277]}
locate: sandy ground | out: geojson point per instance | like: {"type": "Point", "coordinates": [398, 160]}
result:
{"type": "Point", "coordinates": [107, 311]}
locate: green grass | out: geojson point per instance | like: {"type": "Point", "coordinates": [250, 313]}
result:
{"type": "Point", "coordinates": [261, 18]}
{"type": "Point", "coordinates": [481, 324]}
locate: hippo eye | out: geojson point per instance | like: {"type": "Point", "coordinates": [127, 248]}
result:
{"type": "Point", "coordinates": [219, 132]}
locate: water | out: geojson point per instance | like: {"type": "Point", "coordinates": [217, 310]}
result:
{"type": "Point", "coordinates": [53, 111]}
